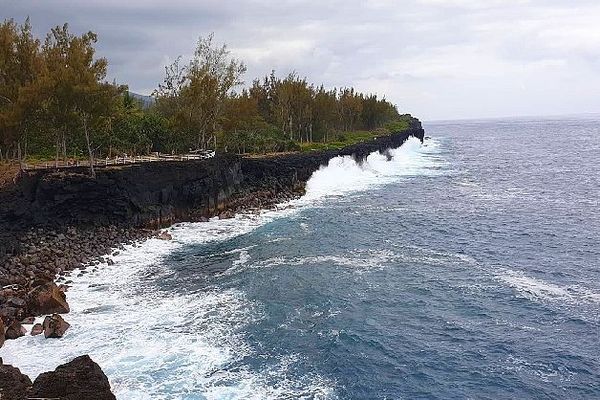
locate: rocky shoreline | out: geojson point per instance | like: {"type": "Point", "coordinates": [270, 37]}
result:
{"type": "Point", "coordinates": [39, 277]}
{"type": "Point", "coordinates": [54, 222]}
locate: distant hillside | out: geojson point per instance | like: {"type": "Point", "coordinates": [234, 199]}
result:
{"type": "Point", "coordinates": [146, 101]}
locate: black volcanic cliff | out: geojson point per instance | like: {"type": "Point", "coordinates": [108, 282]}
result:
{"type": "Point", "coordinates": [158, 194]}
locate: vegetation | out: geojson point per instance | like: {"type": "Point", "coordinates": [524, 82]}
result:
{"type": "Point", "coordinates": [55, 103]}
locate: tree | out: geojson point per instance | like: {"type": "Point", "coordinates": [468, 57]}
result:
{"type": "Point", "coordinates": [193, 96]}
{"type": "Point", "coordinates": [21, 65]}
{"type": "Point", "coordinates": [75, 92]}
{"type": "Point", "coordinates": [54, 98]}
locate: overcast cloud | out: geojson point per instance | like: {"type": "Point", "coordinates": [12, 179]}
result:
{"type": "Point", "coordinates": [438, 59]}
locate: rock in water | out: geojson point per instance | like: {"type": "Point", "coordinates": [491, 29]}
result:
{"type": "Point", "coordinates": [79, 379]}
{"type": "Point", "coordinates": [37, 329]}
{"type": "Point", "coordinates": [55, 326]}
{"type": "Point", "coordinates": [14, 331]}
{"type": "Point", "coordinates": [47, 299]}
{"type": "Point", "coordinates": [13, 384]}
{"type": "Point", "coordinates": [164, 235]}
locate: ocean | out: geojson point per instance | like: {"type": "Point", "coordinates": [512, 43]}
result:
{"type": "Point", "coordinates": [464, 268]}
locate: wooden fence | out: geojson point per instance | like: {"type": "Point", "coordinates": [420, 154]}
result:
{"type": "Point", "coordinates": [117, 161]}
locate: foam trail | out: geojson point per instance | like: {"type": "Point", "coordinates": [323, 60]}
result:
{"type": "Point", "coordinates": [539, 290]}
{"type": "Point", "coordinates": [162, 344]}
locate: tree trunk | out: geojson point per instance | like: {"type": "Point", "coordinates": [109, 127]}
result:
{"type": "Point", "coordinates": [20, 158]}
{"type": "Point", "coordinates": [25, 146]}
{"type": "Point", "coordinates": [110, 135]}
{"type": "Point", "coordinates": [89, 146]}
{"type": "Point", "coordinates": [64, 146]}
{"type": "Point", "coordinates": [57, 150]}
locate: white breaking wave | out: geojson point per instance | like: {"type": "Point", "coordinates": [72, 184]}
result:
{"type": "Point", "coordinates": [540, 290]}
{"type": "Point", "coordinates": [159, 345]}
{"type": "Point", "coordinates": [344, 174]}
{"type": "Point", "coordinates": [156, 344]}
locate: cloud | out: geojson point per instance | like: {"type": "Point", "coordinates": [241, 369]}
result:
{"type": "Point", "coordinates": [435, 58]}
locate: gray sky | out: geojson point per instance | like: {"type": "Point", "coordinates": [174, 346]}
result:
{"type": "Point", "coordinates": [438, 59]}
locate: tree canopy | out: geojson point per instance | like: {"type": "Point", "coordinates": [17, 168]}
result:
{"type": "Point", "coordinates": [55, 102]}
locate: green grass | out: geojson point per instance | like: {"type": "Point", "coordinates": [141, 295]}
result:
{"type": "Point", "coordinates": [349, 138]}
{"type": "Point", "coordinates": [342, 140]}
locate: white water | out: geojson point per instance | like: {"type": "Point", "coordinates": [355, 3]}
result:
{"type": "Point", "coordinates": [164, 345]}
{"type": "Point", "coordinates": [343, 174]}
{"type": "Point", "coordinates": [535, 289]}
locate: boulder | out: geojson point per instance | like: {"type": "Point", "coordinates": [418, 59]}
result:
{"type": "Point", "coordinates": [15, 330]}
{"type": "Point", "coordinates": [164, 235]}
{"type": "Point", "coordinates": [13, 384]}
{"type": "Point", "coordinates": [15, 302]}
{"type": "Point", "coordinates": [54, 326]}
{"type": "Point", "coordinates": [79, 379]}
{"type": "Point", "coordinates": [47, 299]}
{"type": "Point", "coordinates": [37, 329]}
{"type": "Point", "coordinates": [10, 313]}
{"type": "Point", "coordinates": [226, 215]}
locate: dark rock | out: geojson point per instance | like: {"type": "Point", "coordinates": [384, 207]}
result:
{"type": "Point", "coordinates": [164, 235]}
{"type": "Point", "coordinates": [10, 313]}
{"type": "Point", "coordinates": [55, 326]}
{"type": "Point", "coordinates": [16, 302]}
{"type": "Point", "coordinates": [47, 299]}
{"type": "Point", "coordinates": [79, 379]}
{"type": "Point", "coordinates": [13, 384]}
{"type": "Point", "coordinates": [15, 330]}
{"type": "Point", "coordinates": [2, 329]}
{"type": "Point", "coordinates": [37, 329]}
{"type": "Point", "coordinates": [226, 215]}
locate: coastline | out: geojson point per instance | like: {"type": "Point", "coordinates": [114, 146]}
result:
{"type": "Point", "coordinates": [66, 221]}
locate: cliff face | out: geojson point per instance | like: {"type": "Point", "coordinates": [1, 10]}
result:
{"type": "Point", "coordinates": [158, 194]}
{"type": "Point", "coordinates": [138, 195]}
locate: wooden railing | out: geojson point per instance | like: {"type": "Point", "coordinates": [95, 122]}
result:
{"type": "Point", "coordinates": [117, 161]}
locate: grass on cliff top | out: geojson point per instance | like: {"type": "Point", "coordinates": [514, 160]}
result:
{"type": "Point", "coordinates": [345, 139]}
{"type": "Point", "coordinates": [342, 140]}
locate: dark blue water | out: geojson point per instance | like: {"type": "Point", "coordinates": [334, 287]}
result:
{"type": "Point", "coordinates": [477, 275]}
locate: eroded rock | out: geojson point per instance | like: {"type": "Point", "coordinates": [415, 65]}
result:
{"type": "Point", "coordinates": [164, 235]}
{"type": "Point", "coordinates": [55, 326]}
{"type": "Point", "coordinates": [79, 379]}
{"type": "Point", "coordinates": [2, 328]}
{"type": "Point", "coordinates": [15, 330]}
{"type": "Point", "coordinates": [37, 329]}
{"type": "Point", "coordinates": [47, 299]}
{"type": "Point", "coordinates": [13, 384]}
